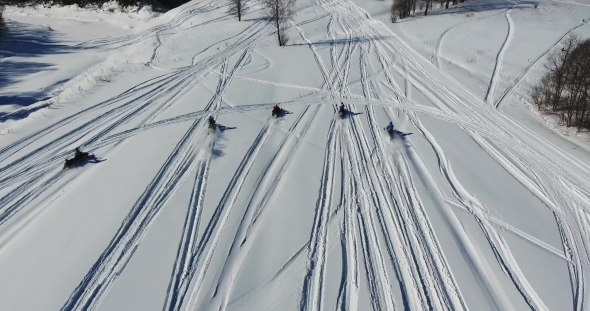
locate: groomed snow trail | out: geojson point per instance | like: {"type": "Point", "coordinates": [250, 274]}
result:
{"type": "Point", "coordinates": [306, 211]}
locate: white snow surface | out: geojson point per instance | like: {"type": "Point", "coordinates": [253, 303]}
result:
{"type": "Point", "coordinates": [476, 204]}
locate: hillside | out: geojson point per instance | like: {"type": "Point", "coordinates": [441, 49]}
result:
{"type": "Point", "coordinates": [476, 203]}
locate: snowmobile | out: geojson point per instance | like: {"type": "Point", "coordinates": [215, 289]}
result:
{"type": "Point", "coordinates": [390, 130]}
{"type": "Point", "coordinates": [212, 124]}
{"type": "Point", "coordinates": [342, 111]}
{"type": "Point", "coordinates": [277, 111]}
{"type": "Point", "coordinates": [78, 157]}
{"type": "Point", "coordinates": [391, 134]}
{"type": "Point", "coordinates": [342, 114]}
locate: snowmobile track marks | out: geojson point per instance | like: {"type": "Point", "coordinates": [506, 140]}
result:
{"type": "Point", "coordinates": [489, 98]}
{"type": "Point", "coordinates": [121, 248]}
{"type": "Point", "coordinates": [187, 247]}
{"type": "Point", "coordinates": [266, 184]}
{"type": "Point", "coordinates": [208, 242]}
{"type": "Point", "coordinates": [312, 295]}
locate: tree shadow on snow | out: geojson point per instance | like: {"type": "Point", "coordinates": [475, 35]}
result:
{"type": "Point", "coordinates": [19, 114]}
{"type": "Point", "coordinates": [20, 44]}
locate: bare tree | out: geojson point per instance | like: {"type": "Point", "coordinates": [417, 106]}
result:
{"type": "Point", "coordinates": [402, 9]}
{"type": "Point", "coordinates": [565, 89]}
{"type": "Point", "coordinates": [280, 12]}
{"type": "Point", "coordinates": [238, 8]}
{"type": "Point", "coordinates": [1, 17]}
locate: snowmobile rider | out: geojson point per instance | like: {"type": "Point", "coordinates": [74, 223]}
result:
{"type": "Point", "coordinates": [342, 110]}
{"type": "Point", "coordinates": [389, 128]}
{"type": "Point", "coordinates": [78, 153]}
{"type": "Point", "coordinates": [276, 109]}
{"type": "Point", "coordinates": [211, 121]}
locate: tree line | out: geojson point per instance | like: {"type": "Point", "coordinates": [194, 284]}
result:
{"type": "Point", "coordinates": [278, 12]}
{"type": "Point", "coordinates": [167, 4]}
{"type": "Point", "coordinates": [565, 87]}
{"type": "Point", "coordinates": [404, 8]}
{"type": "Point", "coordinates": [1, 17]}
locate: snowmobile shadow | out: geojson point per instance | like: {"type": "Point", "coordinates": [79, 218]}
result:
{"type": "Point", "coordinates": [217, 147]}
{"type": "Point", "coordinates": [281, 114]}
{"type": "Point", "coordinates": [223, 128]}
{"type": "Point", "coordinates": [401, 135]}
{"type": "Point", "coordinates": [73, 163]}
{"type": "Point", "coordinates": [348, 114]}
{"type": "Point", "coordinates": [217, 153]}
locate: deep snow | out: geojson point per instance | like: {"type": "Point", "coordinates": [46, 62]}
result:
{"type": "Point", "coordinates": [476, 204]}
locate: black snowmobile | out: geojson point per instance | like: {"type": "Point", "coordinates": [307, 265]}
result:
{"type": "Point", "coordinates": [212, 124]}
{"type": "Point", "coordinates": [277, 111]}
{"type": "Point", "coordinates": [77, 159]}
{"type": "Point", "coordinates": [391, 134]}
{"type": "Point", "coordinates": [390, 130]}
{"type": "Point", "coordinates": [342, 111]}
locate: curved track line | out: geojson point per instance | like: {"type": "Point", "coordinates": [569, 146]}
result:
{"type": "Point", "coordinates": [522, 77]}
{"type": "Point", "coordinates": [489, 98]}
{"type": "Point", "coordinates": [444, 34]}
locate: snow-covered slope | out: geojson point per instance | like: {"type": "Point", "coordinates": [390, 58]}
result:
{"type": "Point", "coordinates": [474, 204]}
